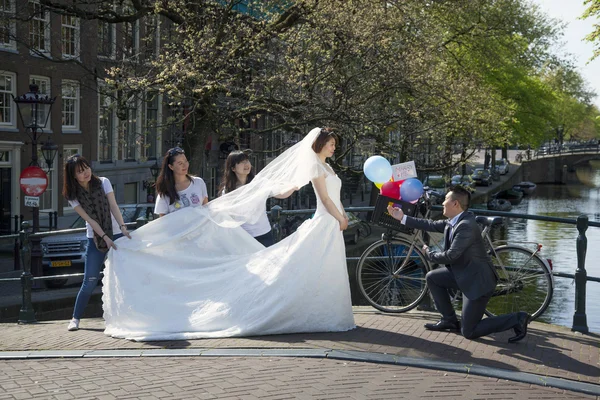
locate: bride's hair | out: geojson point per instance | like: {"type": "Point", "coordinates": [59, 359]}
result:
{"type": "Point", "coordinates": [229, 180]}
{"type": "Point", "coordinates": [165, 183]}
{"type": "Point", "coordinates": [323, 138]}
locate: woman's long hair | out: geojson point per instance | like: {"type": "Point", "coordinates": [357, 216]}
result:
{"type": "Point", "coordinates": [165, 183]}
{"type": "Point", "coordinates": [229, 180]}
{"type": "Point", "coordinates": [75, 164]}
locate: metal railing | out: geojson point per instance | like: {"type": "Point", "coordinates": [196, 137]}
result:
{"type": "Point", "coordinates": [27, 314]}
{"type": "Point", "coordinates": [566, 150]}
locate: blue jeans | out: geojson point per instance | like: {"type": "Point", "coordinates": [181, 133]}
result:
{"type": "Point", "coordinates": [94, 259]}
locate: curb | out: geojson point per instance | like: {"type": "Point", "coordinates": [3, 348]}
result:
{"type": "Point", "coordinates": [350, 355]}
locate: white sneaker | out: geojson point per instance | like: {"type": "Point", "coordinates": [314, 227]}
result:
{"type": "Point", "coordinates": [73, 325]}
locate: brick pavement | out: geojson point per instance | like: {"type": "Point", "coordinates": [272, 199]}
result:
{"type": "Point", "coordinates": [548, 350]}
{"type": "Point", "coordinates": [270, 378]}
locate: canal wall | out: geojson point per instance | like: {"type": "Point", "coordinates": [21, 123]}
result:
{"type": "Point", "coordinates": [555, 169]}
{"type": "Point", "coordinates": [514, 176]}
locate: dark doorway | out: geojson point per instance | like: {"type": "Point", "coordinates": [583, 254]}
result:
{"type": "Point", "coordinates": [5, 200]}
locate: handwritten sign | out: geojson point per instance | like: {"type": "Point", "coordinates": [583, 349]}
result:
{"type": "Point", "coordinates": [404, 171]}
{"type": "Point", "coordinates": [32, 201]}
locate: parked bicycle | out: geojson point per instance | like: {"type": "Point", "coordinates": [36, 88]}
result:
{"type": "Point", "coordinates": [391, 272]}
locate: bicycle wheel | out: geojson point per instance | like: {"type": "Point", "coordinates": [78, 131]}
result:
{"type": "Point", "coordinates": [390, 279]}
{"type": "Point", "coordinates": [525, 283]}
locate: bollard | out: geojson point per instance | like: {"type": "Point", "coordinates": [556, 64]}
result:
{"type": "Point", "coordinates": [141, 221]}
{"type": "Point", "coordinates": [26, 314]}
{"type": "Point", "coordinates": [275, 217]}
{"type": "Point", "coordinates": [580, 318]}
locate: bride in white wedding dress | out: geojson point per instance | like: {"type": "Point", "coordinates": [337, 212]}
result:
{"type": "Point", "coordinates": [197, 274]}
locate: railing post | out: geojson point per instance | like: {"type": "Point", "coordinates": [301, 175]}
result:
{"type": "Point", "coordinates": [35, 244]}
{"type": "Point", "coordinates": [26, 314]}
{"type": "Point", "coordinates": [275, 217]}
{"type": "Point", "coordinates": [17, 255]}
{"type": "Point", "coordinates": [580, 318]}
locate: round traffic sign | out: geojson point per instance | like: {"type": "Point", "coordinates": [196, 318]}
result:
{"type": "Point", "coordinates": [33, 181]}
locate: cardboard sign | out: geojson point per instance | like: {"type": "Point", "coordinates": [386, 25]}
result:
{"type": "Point", "coordinates": [404, 171]}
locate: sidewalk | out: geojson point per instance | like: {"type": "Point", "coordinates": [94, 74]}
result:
{"type": "Point", "coordinates": [386, 356]}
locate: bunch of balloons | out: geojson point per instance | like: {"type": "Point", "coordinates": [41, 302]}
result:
{"type": "Point", "coordinates": [379, 171]}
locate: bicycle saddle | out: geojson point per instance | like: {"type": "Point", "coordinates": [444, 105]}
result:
{"type": "Point", "coordinates": [489, 221]}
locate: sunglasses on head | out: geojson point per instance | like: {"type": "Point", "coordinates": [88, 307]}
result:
{"type": "Point", "coordinates": [175, 151]}
{"type": "Point", "coordinates": [73, 159]}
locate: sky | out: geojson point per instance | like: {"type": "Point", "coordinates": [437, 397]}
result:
{"type": "Point", "coordinates": [569, 12]}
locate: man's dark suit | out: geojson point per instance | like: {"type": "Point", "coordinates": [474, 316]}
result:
{"type": "Point", "coordinates": [466, 266]}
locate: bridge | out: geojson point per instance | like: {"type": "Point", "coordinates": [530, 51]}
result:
{"type": "Point", "coordinates": [554, 167]}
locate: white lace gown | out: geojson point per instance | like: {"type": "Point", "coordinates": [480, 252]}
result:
{"type": "Point", "coordinates": [185, 277]}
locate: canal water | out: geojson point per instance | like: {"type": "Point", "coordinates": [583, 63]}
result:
{"type": "Point", "coordinates": [580, 196]}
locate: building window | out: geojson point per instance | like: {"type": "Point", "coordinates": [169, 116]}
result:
{"type": "Point", "coordinates": [70, 36]}
{"type": "Point", "coordinates": [106, 128]}
{"type": "Point", "coordinates": [130, 40]}
{"type": "Point", "coordinates": [130, 127]}
{"type": "Point", "coordinates": [70, 105]}
{"type": "Point", "coordinates": [43, 84]}
{"type": "Point", "coordinates": [106, 39]}
{"type": "Point", "coordinates": [8, 88]}
{"type": "Point", "coordinates": [47, 198]}
{"type": "Point", "coordinates": [8, 26]}
{"type": "Point", "coordinates": [151, 124]}
{"type": "Point", "coordinates": [151, 37]}
{"type": "Point", "coordinates": [70, 150]}
{"type": "Point", "coordinates": [130, 193]}
{"type": "Point", "coordinates": [39, 27]}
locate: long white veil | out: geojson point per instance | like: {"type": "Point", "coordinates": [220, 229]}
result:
{"type": "Point", "coordinates": [295, 167]}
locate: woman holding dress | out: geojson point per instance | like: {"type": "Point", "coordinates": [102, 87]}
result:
{"type": "Point", "coordinates": [92, 197]}
{"type": "Point", "coordinates": [198, 274]}
{"type": "Point", "coordinates": [238, 172]}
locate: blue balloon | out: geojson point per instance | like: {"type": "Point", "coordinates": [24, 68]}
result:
{"type": "Point", "coordinates": [411, 190]}
{"type": "Point", "coordinates": [377, 169]}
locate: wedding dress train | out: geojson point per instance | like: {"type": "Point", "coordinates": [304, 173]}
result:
{"type": "Point", "coordinates": [185, 276]}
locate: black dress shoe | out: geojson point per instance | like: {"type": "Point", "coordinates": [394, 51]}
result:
{"type": "Point", "coordinates": [444, 326]}
{"type": "Point", "coordinates": [521, 327]}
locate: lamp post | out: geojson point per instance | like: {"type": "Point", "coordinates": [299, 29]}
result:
{"type": "Point", "coordinates": [34, 112]}
{"type": "Point", "coordinates": [155, 170]}
{"type": "Point", "coordinates": [149, 186]}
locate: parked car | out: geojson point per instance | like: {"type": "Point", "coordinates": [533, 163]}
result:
{"type": "Point", "coordinates": [436, 182]}
{"type": "Point", "coordinates": [65, 254]}
{"type": "Point", "coordinates": [482, 177]}
{"type": "Point", "coordinates": [465, 181]}
{"type": "Point", "coordinates": [502, 166]}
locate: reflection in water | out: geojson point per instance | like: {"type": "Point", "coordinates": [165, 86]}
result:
{"type": "Point", "coordinates": [559, 240]}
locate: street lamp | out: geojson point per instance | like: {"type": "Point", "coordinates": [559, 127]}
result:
{"type": "Point", "coordinates": [155, 170]}
{"type": "Point", "coordinates": [49, 151]}
{"type": "Point", "coordinates": [34, 112]}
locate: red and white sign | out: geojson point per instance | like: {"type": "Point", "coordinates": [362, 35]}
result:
{"type": "Point", "coordinates": [33, 181]}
